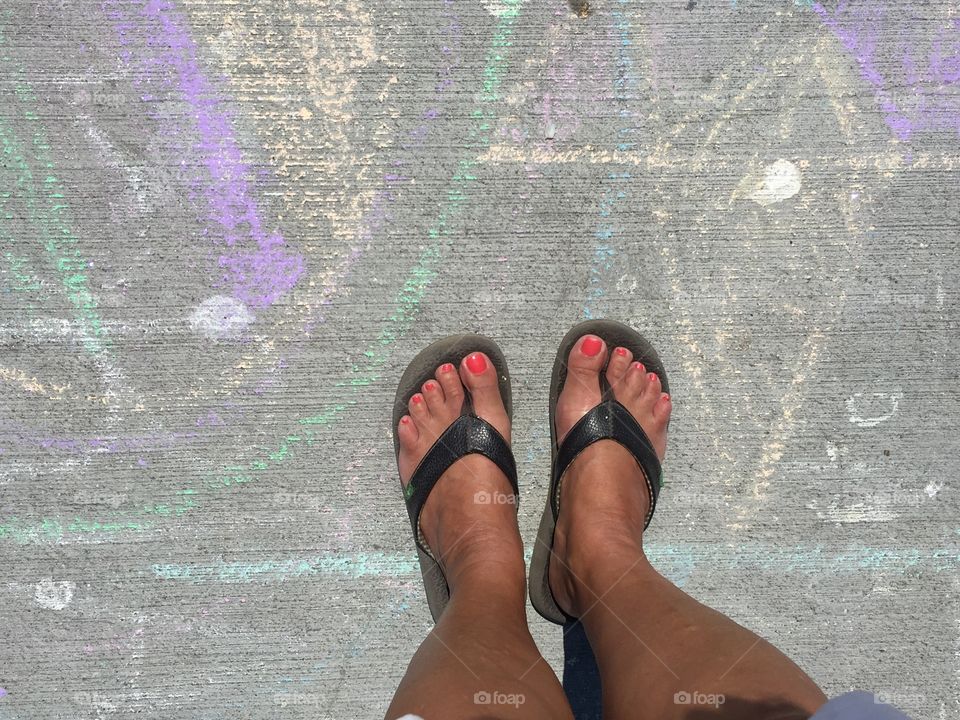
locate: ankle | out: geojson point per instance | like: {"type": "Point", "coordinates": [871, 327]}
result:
{"type": "Point", "coordinates": [592, 572]}
{"type": "Point", "coordinates": [489, 561]}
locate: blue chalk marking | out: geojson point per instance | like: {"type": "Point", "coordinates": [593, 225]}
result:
{"type": "Point", "coordinates": [355, 565]}
{"type": "Point", "coordinates": [604, 252]}
{"type": "Point", "coordinates": [678, 561]}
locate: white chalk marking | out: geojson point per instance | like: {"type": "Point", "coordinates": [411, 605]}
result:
{"type": "Point", "coordinates": [779, 181]}
{"type": "Point", "coordinates": [933, 487]}
{"type": "Point", "coordinates": [496, 9]}
{"type": "Point", "coordinates": [856, 513]}
{"type": "Point", "coordinates": [872, 421]}
{"type": "Point", "coordinates": [54, 595]}
{"type": "Point", "coordinates": [221, 318]}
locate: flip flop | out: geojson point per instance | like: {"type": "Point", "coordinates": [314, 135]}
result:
{"type": "Point", "coordinates": [607, 420]}
{"type": "Point", "coordinates": [466, 435]}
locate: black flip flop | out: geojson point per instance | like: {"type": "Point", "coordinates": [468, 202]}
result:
{"type": "Point", "coordinates": [608, 420]}
{"type": "Point", "coordinates": [467, 434]}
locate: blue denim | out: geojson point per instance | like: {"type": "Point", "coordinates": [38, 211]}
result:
{"type": "Point", "coordinates": [858, 706]}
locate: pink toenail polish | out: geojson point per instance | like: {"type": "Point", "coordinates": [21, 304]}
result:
{"type": "Point", "coordinates": [430, 386]}
{"type": "Point", "coordinates": [639, 366]}
{"type": "Point", "coordinates": [417, 399]}
{"type": "Point", "coordinates": [446, 367]}
{"type": "Point", "coordinates": [651, 377]}
{"type": "Point", "coordinates": [591, 346]}
{"type": "Point", "coordinates": [476, 363]}
{"type": "Point", "coordinates": [621, 351]}
{"type": "Point", "coordinates": [665, 396]}
{"type": "Point", "coordinates": [405, 420]}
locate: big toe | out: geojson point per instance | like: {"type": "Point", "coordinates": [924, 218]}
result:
{"type": "Point", "coordinates": [480, 377]}
{"type": "Point", "coordinates": [581, 389]}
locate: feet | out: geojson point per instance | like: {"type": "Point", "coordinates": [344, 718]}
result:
{"type": "Point", "coordinates": [603, 496]}
{"type": "Point", "coordinates": [469, 519]}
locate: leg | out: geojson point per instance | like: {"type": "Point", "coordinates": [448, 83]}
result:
{"type": "Point", "coordinates": [660, 652]}
{"type": "Point", "coordinates": [480, 660]}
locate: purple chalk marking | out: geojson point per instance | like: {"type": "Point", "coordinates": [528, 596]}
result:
{"type": "Point", "coordinates": [2, 692]}
{"type": "Point", "coordinates": [257, 265]}
{"type": "Point", "coordinates": [862, 28]}
{"type": "Point", "coordinates": [22, 436]}
{"type": "Point", "coordinates": [373, 222]}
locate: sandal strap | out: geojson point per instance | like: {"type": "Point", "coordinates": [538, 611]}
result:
{"type": "Point", "coordinates": [468, 434]}
{"type": "Point", "coordinates": [609, 420]}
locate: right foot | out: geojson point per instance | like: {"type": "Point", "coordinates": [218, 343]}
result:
{"type": "Point", "coordinates": [603, 495]}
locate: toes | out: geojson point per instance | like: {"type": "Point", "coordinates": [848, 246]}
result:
{"type": "Point", "coordinates": [636, 379]}
{"type": "Point", "coordinates": [480, 377]}
{"type": "Point", "coordinates": [662, 409]}
{"type": "Point", "coordinates": [450, 382]}
{"type": "Point", "coordinates": [417, 407]}
{"type": "Point", "coordinates": [433, 394]}
{"type": "Point", "coordinates": [652, 391]}
{"type": "Point", "coordinates": [407, 432]}
{"type": "Point", "coordinates": [584, 362]}
{"type": "Point", "coordinates": [619, 363]}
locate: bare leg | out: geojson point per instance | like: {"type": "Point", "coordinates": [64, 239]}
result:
{"type": "Point", "coordinates": [661, 653]}
{"type": "Point", "coordinates": [480, 660]}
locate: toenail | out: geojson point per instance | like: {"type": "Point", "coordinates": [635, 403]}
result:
{"type": "Point", "coordinates": [621, 351]}
{"type": "Point", "coordinates": [651, 376]}
{"type": "Point", "coordinates": [665, 396]}
{"type": "Point", "coordinates": [476, 363]}
{"type": "Point", "coordinates": [446, 367]}
{"type": "Point", "coordinates": [417, 399]}
{"type": "Point", "coordinates": [405, 420]}
{"type": "Point", "coordinates": [639, 366]}
{"type": "Point", "coordinates": [430, 386]}
{"type": "Point", "coordinates": [591, 346]}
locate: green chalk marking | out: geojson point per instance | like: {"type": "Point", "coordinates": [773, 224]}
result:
{"type": "Point", "coordinates": [51, 219]}
{"type": "Point", "coordinates": [24, 281]}
{"type": "Point", "coordinates": [407, 304]}
{"type": "Point", "coordinates": [676, 559]}
{"type": "Point", "coordinates": [354, 566]}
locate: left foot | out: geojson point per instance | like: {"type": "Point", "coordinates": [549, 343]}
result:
{"type": "Point", "coordinates": [469, 519]}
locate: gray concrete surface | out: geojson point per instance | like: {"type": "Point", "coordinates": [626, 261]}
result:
{"type": "Point", "coordinates": [226, 227]}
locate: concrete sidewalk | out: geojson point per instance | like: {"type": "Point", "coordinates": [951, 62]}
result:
{"type": "Point", "coordinates": [226, 228]}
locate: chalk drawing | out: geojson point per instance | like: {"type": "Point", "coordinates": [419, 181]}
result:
{"type": "Point", "coordinates": [221, 318]}
{"type": "Point", "coordinates": [625, 86]}
{"type": "Point", "coordinates": [18, 377]}
{"type": "Point", "coordinates": [933, 488]}
{"type": "Point", "coordinates": [49, 213]}
{"type": "Point", "coordinates": [54, 595]}
{"type": "Point", "coordinates": [254, 263]}
{"type": "Point", "coordinates": [407, 304]}
{"type": "Point", "coordinates": [888, 402]}
{"type": "Point", "coordinates": [675, 559]}
{"type": "Point", "coordinates": [853, 513]}
{"type": "Point", "coordinates": [354, 566]}
{"type": "Point", "coordinates": [23, 279]}
{"type": "Point", "coordinates": [497, 9]}
{"type": "Point", "coordinates": [928, 71]}
{"type": "Point", "coordinates": [777, 182]}
{"type": "Point", "coordinates": [329, 281]}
